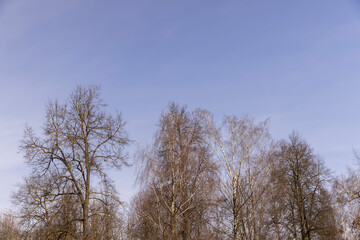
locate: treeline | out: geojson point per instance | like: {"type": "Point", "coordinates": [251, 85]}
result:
{"type": "Point", "coordinates": [199, 180]}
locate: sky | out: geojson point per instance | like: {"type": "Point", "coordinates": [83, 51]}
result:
{"type": "Point", "coordinates": [294, 62]}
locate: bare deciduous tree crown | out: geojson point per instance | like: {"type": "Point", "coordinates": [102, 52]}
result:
{"type": "Point", "coordinates": [80, 142]}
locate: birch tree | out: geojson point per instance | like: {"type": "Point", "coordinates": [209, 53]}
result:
{"type": "Point", "coordinates": [347, 204]}
{"type": "Point", "coordinates": [178, 180]}
{"type": "Point", "coordinates": [242, 149]}
{"type": "Point", "coordinates": [346, 197]}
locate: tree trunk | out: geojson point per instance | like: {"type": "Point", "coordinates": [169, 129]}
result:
{"type": "Point", "coordinates": [87, 193]}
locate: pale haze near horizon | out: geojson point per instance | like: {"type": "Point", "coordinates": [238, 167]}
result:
{"type": "Point", "coordinates": [296, 63]}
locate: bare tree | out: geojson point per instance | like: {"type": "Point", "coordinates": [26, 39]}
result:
{"type": "Point", "coordinates": [107, 221]}
{"type": "Point", "coordinates": [178, 180]}
{"type": "Point", "coordinates": [80, 142]}
{"type": "Point", "coordinates": [346, 197]}
{"type": "Point", "coordinates": [145, 219]}
{"type": "Point", "coordinates": [243, 149]}
{"type": "Point", "coordinates": [9, 227]}
{"type": "Point", "coordinates": [47, 208]}
{"type": "Point", "coordinates": [302, 207]}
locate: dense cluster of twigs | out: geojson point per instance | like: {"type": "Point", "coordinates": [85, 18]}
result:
{"type": "Point", "coordinates": [199, 180]}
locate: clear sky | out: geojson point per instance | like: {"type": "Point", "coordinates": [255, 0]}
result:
{"type": "Point", "coordinates": [297, 62]}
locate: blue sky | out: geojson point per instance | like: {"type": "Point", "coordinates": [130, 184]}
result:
{"type": "Point", "coordinates": [297, 62]}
